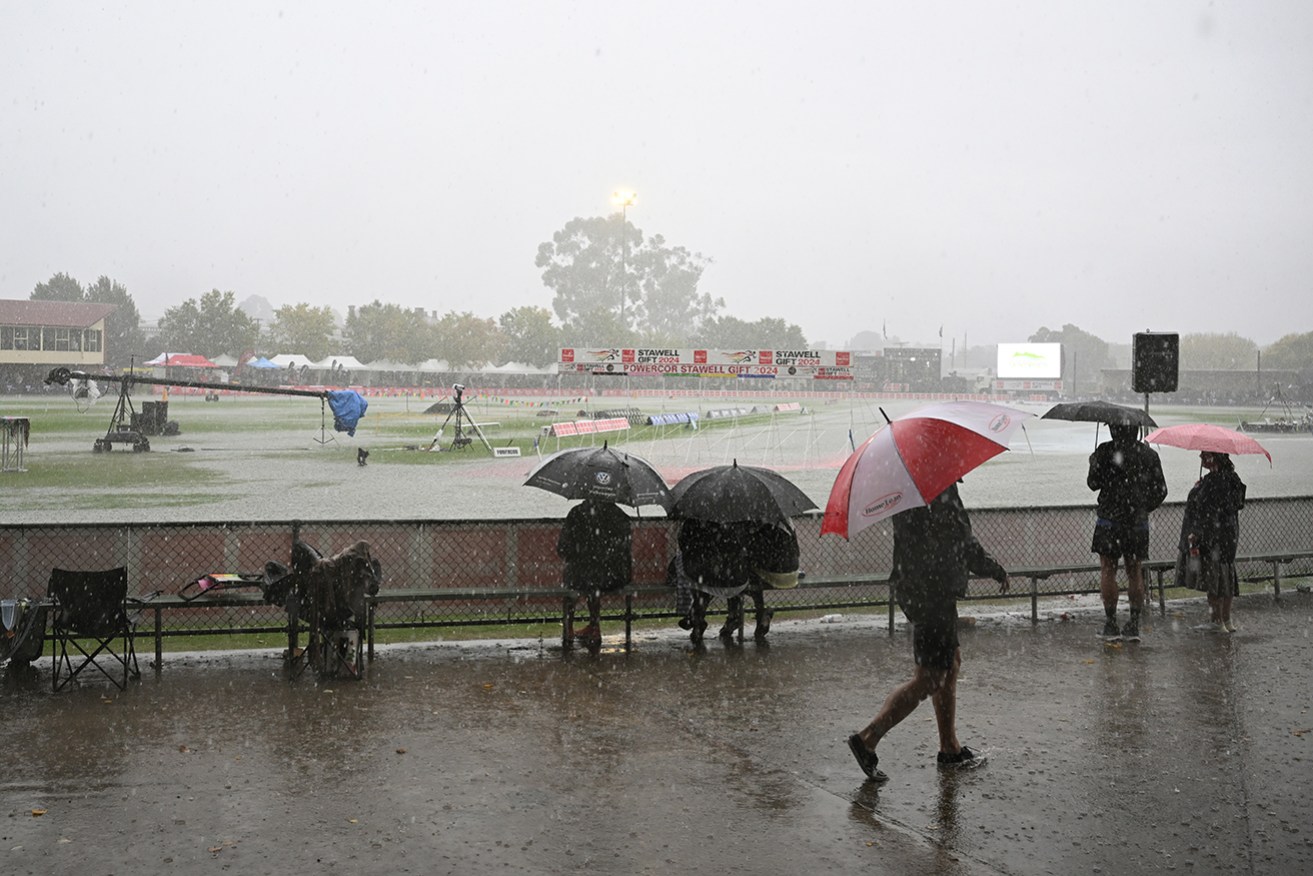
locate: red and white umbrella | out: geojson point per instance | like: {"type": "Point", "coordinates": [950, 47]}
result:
{"type": "Point", "coordinates": [1205, 436]}
{"type": "Point", "coordinates": [915, 458]}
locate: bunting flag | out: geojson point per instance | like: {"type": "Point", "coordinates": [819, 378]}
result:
{"type": "Point", "coordinates": [515, 402]}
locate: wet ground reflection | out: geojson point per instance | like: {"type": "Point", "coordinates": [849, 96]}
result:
{"type": "Point", "coordinates": [1182, 752]}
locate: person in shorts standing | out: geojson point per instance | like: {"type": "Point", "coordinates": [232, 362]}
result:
{"type": "Point", "coordinates": [935, 554]}
{"type": "Point", "coordinates": [1128, 477]}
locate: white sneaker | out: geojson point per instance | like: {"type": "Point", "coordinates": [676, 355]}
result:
{"type": "Point", "coordinates": [1210, 627]}
{"type": "Point", "coordinates": [1231, 627]}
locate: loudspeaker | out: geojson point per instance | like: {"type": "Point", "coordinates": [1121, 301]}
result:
{"type": "Point", "coordinates": [1155, 361]}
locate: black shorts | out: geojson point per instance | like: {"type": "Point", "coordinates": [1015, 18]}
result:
{"type": "Point", "coordinates": [934, 631]}
{"type": "Point", "coordinates": [1113, 539]}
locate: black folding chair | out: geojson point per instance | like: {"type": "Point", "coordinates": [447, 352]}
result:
{"type": "Point", "coordinates": [88, 616]}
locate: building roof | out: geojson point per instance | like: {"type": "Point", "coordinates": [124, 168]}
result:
{"type": "Point", "coordinates": [66, 314]}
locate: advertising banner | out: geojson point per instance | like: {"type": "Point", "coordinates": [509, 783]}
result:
{"type": "Point", "coordinates": [707, 363]}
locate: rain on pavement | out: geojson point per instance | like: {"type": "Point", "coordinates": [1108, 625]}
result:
{"type": "Point", "coordinates": [1186, 753]}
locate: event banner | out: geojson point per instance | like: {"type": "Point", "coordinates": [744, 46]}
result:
{"type": "Point", "coordinates": [680, 362]}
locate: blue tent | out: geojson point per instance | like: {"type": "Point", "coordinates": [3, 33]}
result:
{"type": "Point", "coordinates": [261, 362]}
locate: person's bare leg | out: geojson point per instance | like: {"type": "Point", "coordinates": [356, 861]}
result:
{"type": "Point", "coordinates": [1214, 608]}
{"type": "Point", "coordinates": [1108, 582]}
{"type": "Point", "coordinates": [1134, 584]}
{"type": "Point", "coordinates": [1224, 610]}
{"type": "Point", "coordinates": [900, 703]}
{"type": "Point", "coordinates": [944, 699]}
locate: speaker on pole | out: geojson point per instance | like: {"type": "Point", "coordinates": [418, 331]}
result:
{"type": "Point", "coordinates": [1155, 362]}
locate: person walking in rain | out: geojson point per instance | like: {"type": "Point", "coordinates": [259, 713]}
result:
{"type": "Point", "coordinates": [1129, 479]}
{"type": "Point", "coordinates": [1210, 533]}
{"type": "Point", "coordinates": [935, 554]}
{"type": "Point", "coordinates": [596, 543]}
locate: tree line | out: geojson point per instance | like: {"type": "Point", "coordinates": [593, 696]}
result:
{"type": "Point", "coordinates": [610, 285]}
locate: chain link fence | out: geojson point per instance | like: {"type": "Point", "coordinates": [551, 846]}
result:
{"type": "Point", "coordinates": [467, 573]}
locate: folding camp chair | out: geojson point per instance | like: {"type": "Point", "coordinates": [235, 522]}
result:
{"type": "Point", "coordinates": [88, 615]}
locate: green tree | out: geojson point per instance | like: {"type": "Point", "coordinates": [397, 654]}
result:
{"type": "Point", "coordinates": [211, 327]}
{"type": "Point", "coordinates": [388, 331]}
{"type": "Point", "coordinates": [467, 341]}
{"type": "Point", "coordinates": [598, 267]}
{"type": "Point", "coordinates": [1217, 352]}
{"type": "Point", "coordinates": [123, 337]}
{"type": "Point", "coordinates": [530, 336]}
{"type": "Point", "coordinates": [124, 340]}
{"type": "Point", "coordinates": [1291, 352]}
{"type": "Point", "coordinates": [1084, 356]}
{"type": "Point", "coordinates": [304, 329]}
{"type": "Point", "coordinates": [60, 287]}
{"type": "Point", "coordinates": [729, 332]}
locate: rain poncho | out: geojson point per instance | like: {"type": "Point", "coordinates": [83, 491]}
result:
{"type": "Point", "coordinates": [717, 557]}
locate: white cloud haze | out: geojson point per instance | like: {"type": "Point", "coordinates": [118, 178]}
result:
{"type": "Point", "coordinates": [987, 167]}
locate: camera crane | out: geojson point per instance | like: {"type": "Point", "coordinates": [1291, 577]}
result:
{"type": "Point", "coordinates": [459, 440]}
{"type": "Point", "coordinates": [122, 428]}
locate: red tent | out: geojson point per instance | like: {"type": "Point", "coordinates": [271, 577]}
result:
{"type": "Point", "coordinates": [181, 360]}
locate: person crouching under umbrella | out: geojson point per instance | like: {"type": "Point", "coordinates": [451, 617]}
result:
{"type": "Point", "coordinates": [596, 544]}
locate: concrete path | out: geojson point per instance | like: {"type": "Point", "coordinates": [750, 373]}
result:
{"type": "Point", "coordinates": [1186, 753]}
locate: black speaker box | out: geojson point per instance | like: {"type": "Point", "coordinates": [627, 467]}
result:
{"type": "Point", "coordinates": [1155, 362]}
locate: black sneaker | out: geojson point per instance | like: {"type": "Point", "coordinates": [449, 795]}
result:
{"type": "Point", "coordinates": [965, 759]}
{"type": "Point", "coordinates": [866, 759]}
{"type": "Point", "coordinates": [1131, 632]}
{"type": "Point", "coordinates": [1110, 630]}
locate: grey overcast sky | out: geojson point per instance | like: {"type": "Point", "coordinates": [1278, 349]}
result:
{"type": "Point", "coordinates": [987, 167]}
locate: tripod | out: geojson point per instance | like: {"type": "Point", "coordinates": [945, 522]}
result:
{"type": "Point", "coordinates": [459, 440]}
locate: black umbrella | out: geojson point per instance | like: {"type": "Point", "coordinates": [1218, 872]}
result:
{"type": "Point", "coordinates": [738, 493]}
{"type": "Point", "coordinates": [601, 473]}
{"type": "Point", "coordinates": [1100, 412]}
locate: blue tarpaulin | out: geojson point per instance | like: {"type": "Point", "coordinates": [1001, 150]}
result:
{"type": "Point", "coordinates": [348, 407]}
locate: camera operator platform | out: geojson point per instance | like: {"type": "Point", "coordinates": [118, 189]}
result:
{"type": "Point", "coordinates": [459, 439]}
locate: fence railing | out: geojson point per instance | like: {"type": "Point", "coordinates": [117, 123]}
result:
{"type": "Point", "coordinates": [465, 573]}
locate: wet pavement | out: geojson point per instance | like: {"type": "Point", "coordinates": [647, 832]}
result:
{"type": "Point", "coordinates": [1189, 752]}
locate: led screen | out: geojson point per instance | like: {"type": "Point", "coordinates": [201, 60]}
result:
{"type": "Point", "coordinates": [1030, 361]}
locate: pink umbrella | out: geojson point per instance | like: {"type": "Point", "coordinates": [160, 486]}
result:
{"type": "Point", "coordinates": [915, 458]}
{"type": "Point", "coordinates": [1205, 436]}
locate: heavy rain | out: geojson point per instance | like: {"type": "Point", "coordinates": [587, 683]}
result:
{"type": "Point", "coordinates": [303, 303]}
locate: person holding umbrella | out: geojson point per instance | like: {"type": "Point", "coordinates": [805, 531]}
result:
{"type": "Point", "coordinates": [596, 544]}
{"type": "Point", "coordinates": [734, 534]}
{"type": "Point", "coordinates": [935, 554]}
{"type": "Point", "coordinates": [1210, 532]}
{"type": "Point", "coordinates": [596, 539]}
{"type": "Point", "coordinates": [909, 471]}
{"type": "Point", "coordinates": [1128, 477]}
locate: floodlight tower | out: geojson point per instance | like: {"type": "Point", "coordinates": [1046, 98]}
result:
{"type": "Point", "coordinates": [624, 199]}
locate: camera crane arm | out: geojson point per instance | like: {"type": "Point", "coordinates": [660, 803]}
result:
{"type": "Point", "coordinates": [121, 420]}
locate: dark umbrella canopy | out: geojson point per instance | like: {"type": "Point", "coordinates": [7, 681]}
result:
{"type": "Point", "coordinates": [737, 494]}
{"type": "Point", "coordinates": [1100, 412]}
{"type": "Point", "coordinates": [601, 473]}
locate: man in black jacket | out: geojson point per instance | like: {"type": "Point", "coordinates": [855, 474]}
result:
{"type": "Point", "coordinates": [1129, 477]}
{"type": "Point", "coordinates": [935, 555]}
